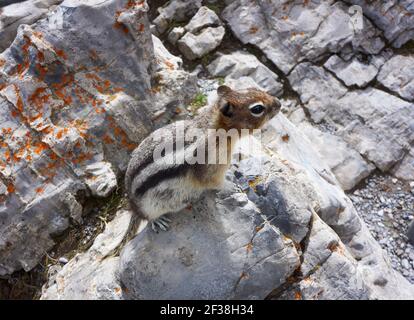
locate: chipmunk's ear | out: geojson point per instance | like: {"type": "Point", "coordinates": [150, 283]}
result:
{"type": "Point", "coordinates": [227, 109]}
{"type": "Point", "coordinates": [222, 90]}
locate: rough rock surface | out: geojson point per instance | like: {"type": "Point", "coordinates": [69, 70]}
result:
{"type": "Point", "coordinates": [378, 125]}
{"type": "Point", "coordinates": [22, 13]}
{"type": "Point", "coordinates": [346, 163]}
{"type": "Point", "coordinates": [174, 87]}
{"type": "Point", "coordinates": [93, 274]}
{"type": "Point", "coordinates": [397, 74]}
{"type": "Point", "coordinates": [69, 103]}
{"type": "Point", "coordinates": [242, 64]}
{"type": "Point", "coordinates": [252, 256]}
{"type": "Point", "coordinates": [289, 32]}
{"type": "Point", "coordinates": [395, 18]}
{"type": "Point", "coordinates": [177, 10]}
{"type": "Point", "coordinates": [202, 19]}
{"type": "Point", "coordinates": [352, 72]}
{"type": "Point", "coordinates": [196, 46]}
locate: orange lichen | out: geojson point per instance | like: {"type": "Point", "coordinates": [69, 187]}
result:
{"type": "Point", "coordinates": [298, 295]}
{"type": "Point", "coordinates": [93, 54]}
{"type": "Point", "coordinates": [39, 98]}
{"type": "Point", "coordinates": [39, 147]}
{"type": "Point", "coordinates": [39, 190]}
{"type": "Point", "coordinates": [141, 27]}
{"type": "Point", "coordinates": [2, 62]}
{"type": "Point", "coordinates": [19, 103]}
{"type": "Point", "coordinates": [253, 30]}
{"type": "Point", "coordinates": [11, 188]}
{"type": "Point", "coordinates": [60, 53]}
{"type": "Point", "coordinates": [42, 70]}
{"type": "Point", "coordinates": [7, 155]}
{"type": "Point", "coordinates": [121, 26]}
{"type": "Point", "coordinates": [285, 138]}
{"type": "Point", "coordinates": [40, 56]}
{"type": "Point", "coordinates": [169, 65]}
{"type": "Point", "coordinates": [59, 135]}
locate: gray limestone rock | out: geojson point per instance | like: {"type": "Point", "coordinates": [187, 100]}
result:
{"type": "Point", "coordinates": [397, 74]}
{"type": "Point", "coordinates": [204, 18]}
{"type": "Point", "coordinates": [241, 64]}
{"type": "Point", "coordinates": [196, 46]}
{"type": "Point", "coordinates": [290, 32]}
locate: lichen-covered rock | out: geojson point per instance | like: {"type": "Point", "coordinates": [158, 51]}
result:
{"type": "Point", "coordinates": [241, 64]}
{"type": "Point", "coordinates": [68, 102]}
{"type": "Point", "coordinates": [196, 46]}
{"type": "Point", "coordinates": [22, 13]}
{"type": "Point", "coordinates": [397, 74]}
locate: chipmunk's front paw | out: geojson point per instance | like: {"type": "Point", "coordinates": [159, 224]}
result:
{"type": "Point", "coordinates": [162, 223]}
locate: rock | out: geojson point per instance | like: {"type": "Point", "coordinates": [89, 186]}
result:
{"type": "Point", "coordinates": [318, 89]}
{"type": "Point", "coordinates": [175, 34]}
{"type": "Point", "coordinates": [251, 261]}
{"type": "Point", "coordinates": [14, 15]}
{"type": "Point", "coordinates": [294, 32]}
{"type": "Point", "coordinates": [346, 164]}
{"type": "Point", "coordinates": [174, 86]}
{"type": "Point", "coordinates": [411, 233]}
{"type": "Point", "coordinates": [352, 72]}
{"type": "Point", "coordinates": [94, 274]}
{"type": "Point", "coordinates": [204, 18]}
{"type": "Point", "coordinates": [175, 10]}
{"type": "Point", "coordinates": [241, 64]}
{"type": "Point", "coordinates": [63, 260]}
{"type": "Point", "coordinates": [384, 130]}
{"type": "Point", "coordinates": [395, 18]}
{"type": "Point", "coordinates": [376, 124]}
{"type": "Point", "coordinates": [397, 74]}
{"type": "Point", "coordinates": [68, 103]}
{"type": "Point", "coordinates": [196, 46]}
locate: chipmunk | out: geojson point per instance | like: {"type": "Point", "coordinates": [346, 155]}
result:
{"type": "Point", "coordinates": [157, 185]}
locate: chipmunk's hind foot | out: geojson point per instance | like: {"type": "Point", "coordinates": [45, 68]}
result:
{"type": "Point", "coordinates": [161, 223]}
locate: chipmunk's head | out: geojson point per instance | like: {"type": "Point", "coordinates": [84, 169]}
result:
{"type": "Point", "coordinates": [245, 109]}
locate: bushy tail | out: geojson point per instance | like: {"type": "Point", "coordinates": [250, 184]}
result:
{"type": "Point", "coordinates": [134, 223]}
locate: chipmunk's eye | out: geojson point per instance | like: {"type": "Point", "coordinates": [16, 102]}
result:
{"type": "Point", "coordinates": [257, 110]}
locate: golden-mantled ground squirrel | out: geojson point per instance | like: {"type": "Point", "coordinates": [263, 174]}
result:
{"type": "Point", "coordinates": [175, 164]}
